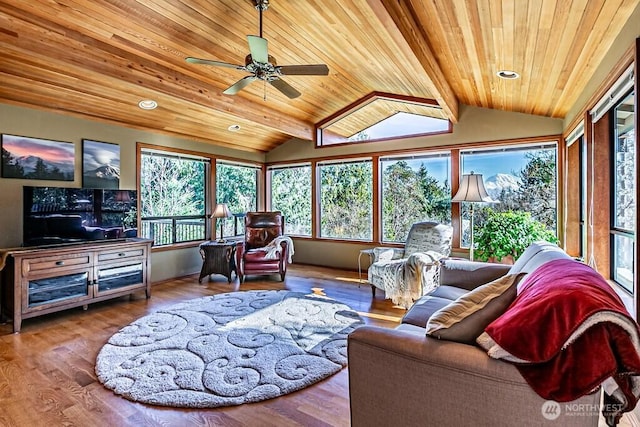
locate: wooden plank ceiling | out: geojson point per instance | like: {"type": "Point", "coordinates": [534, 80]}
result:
{"type": "Point", "coordinates": [97, 59]}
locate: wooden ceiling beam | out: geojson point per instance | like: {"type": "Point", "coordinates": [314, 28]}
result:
{"type": "Point", "coordinates": [398, 20]}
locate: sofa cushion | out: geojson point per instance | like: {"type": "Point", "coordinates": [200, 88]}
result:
{"type": "Point", "coordinates": [423, 309]}
{"type": "Point", "coordinates": [464, 319]}
{"type": "Point", "coordinates": [448, 292]}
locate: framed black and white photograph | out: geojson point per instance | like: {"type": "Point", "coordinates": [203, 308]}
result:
{"type": "Point", "coordinates": [25, 157]}
{"type": "Point", "coordinates": [100, 164]}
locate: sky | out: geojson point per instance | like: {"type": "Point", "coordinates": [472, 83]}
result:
{"type": "Point", "coordinates": [52, 151]}
{"type": "Point", "coordinates": [96, 154]}
{"type": "Point", "coordinates": [491, 164]}
{"type": "Point", "coordinates": [487, 164]}
{"type": "Point", "coordinates": [411, 124]}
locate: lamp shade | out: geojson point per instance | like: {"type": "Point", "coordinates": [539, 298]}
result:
{"type": "Point", "coordinates": [471, 189]}
{"type": "Point", "coordinates": [221, 211]}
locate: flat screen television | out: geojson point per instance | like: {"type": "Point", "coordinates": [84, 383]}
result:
{"type": "Point", "coordinates": [54, 215]}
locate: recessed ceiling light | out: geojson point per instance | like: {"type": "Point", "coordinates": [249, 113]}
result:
{"type": "Point", "coordinates": [507, 74]}
{"type": "Point", "coordinates": [148, 104]}
{"type": "Point", "coordinates": [233, 128]}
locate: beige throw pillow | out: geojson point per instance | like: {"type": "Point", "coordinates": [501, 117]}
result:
{"type": "Point", "coordinates": [465, 319]}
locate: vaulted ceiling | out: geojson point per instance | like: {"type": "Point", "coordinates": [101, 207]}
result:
{"type": "Point", "coordinates": [98, 59]}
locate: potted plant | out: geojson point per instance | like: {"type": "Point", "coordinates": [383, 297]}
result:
{"type": "Point", "coordinates": [505, 235]}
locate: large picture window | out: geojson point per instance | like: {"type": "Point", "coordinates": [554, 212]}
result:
{"type": "Point", "coordinates": [346, 200]}
{"type": "Point", "coordinates": [172, 197]}
{"type": "Point", "coordinates": [414, 189]}
{"type": "Point", "coordinates": [237, 186]}
{"type": "Point", "coordinates": [518, 178]}
{"type": "Point", "coordinates": [291, 194]}
{"type": "Point", "coordinates": [624, 191]}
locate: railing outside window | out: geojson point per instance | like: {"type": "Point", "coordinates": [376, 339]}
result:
{"type": "Point", "coordinates": [170, 230]}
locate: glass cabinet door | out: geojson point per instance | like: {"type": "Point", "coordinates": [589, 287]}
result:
{"type": "Point", "coordinates": [59, 288]}
{"type": "Point", "coordinates": [120, 276]}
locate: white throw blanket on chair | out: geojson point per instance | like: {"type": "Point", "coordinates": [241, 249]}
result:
{"type": "Point", "coordinates": [415, 277]}
{"type": "Point", "coordinates": [273, 248]}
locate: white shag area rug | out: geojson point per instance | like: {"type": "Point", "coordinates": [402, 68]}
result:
{"type": "Point", "coordinates": [228, 349]}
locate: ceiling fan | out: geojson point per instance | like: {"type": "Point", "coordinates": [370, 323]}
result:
{"type": "Point", "coordinates": [263, 66]}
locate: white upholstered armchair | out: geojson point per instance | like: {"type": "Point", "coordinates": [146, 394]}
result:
{"type": "Point", "coordinates": [408, 273]}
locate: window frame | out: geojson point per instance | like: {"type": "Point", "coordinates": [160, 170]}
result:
{"type": "Point", "coordinates": [318, 205]}
{"type": "Point", "coordinates": [167, 152]}
{"type": "Point", "coordinates": [238, 217]}
{"type": "Point", "coordinates": [615, 231]}
{"type": "Point", "coordinates": [403, 157]}
{"type": "Point", "coordinates": [319, 136]}
{"type": "Point", "coordinates": [269, 193]}
{"type": "Point", "coordinates": [507, 147]}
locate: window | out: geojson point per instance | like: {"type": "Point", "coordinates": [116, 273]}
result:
{"type": "Point", "coordinates": [291, 194]}
{"type": "Point", "coordinates": [237, 186]}
{"type": "Point", "coordinates": [521, 178]}
{"type": "Point", "coordinates": [624, 189]}
{"type": "Point", "coordinates": [380, 116]}
{"type": "Point", "coordinates": [414, 189]}
{"type": "Point", "coordinates": [172, 197]}
{"type": "Point", "coordinates": [346, 200]}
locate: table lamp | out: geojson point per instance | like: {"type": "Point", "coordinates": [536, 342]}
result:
{"type": "Point", "coordinates": [220, 213]}
{"type": "Point", "coordinates": [472, 191]}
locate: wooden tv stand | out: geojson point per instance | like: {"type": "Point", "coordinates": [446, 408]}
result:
{"type": "Point", "coordinates": [44, 279]}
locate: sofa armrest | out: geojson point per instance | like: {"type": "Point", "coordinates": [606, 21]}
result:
{"type": "Point", "coordinates": [469, 274]}
{"type": "Point", "coordinates": [399, 377]}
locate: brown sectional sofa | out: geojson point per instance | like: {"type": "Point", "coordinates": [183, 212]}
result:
{"type": "Point", "coordinates": [403, 377]}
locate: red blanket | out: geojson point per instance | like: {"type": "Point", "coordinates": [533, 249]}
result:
{"type": "Point", "coordinates": [567, 332]}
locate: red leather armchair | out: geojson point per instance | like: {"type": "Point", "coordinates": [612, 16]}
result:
{"type": "Point", "coordinates": [260, 230]}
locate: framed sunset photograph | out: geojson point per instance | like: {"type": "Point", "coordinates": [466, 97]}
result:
{"type": "Point", "coordinates": [100, 164]}
{"type": "Point", "coordinates": [35, 158]}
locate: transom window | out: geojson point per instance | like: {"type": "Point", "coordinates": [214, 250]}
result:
{"type": "Point", "coordinates": [380, 116]}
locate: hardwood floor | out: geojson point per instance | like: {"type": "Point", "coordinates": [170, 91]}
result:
{"type": "Point", "coordinates": [47, 371]}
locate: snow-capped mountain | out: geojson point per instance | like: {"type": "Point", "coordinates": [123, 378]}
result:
{"type": "Point", "coordinates": [105, 176]}
{"type": "Point", "coordinates": [501, 181]}
{"type": "Point", "coordinates": [104, 172]}
{"type": "Point", "coordinates": [28, 163]}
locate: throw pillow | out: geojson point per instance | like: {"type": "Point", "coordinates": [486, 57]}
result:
{"type": "Point", "coordinates": [465, 319]}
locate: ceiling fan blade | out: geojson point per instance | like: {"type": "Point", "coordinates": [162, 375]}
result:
{"type": "Point", "coordinates": [239, 85]}
{"type": "Point", "coordinates": [258, 49]}
{"type": "Point", "coordinates": [303, 70]}
{"type": "Point", "coordinates": [192, 60]}
{"type": "Point", "coordinates": [285, 88]}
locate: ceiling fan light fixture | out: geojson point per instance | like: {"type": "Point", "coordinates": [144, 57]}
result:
{"type": "Point", "coordinates": [233, 128]}
{"type": "Point", "coordinates": [507, 74]}
{"type": "Point", "coordinates": [148, 104]}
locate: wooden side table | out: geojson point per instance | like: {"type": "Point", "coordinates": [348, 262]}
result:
{"type": "Point", "coordinates": [218, 258]}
